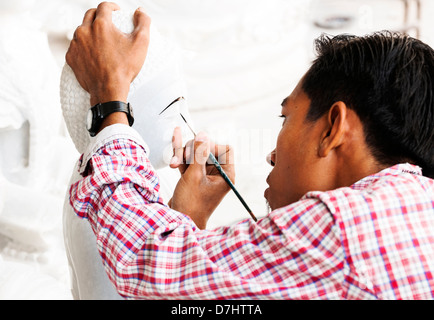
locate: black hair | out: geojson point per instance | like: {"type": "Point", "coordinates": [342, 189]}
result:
{"type": "Point", "coordinates": [388, 80]}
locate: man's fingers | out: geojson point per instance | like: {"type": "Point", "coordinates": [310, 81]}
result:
{"type": "Point", "coordinates": [200, 154]}
{"type": "Point", "coordinates": [89, 16]}
{"type": "Point", "coordinates": [196, 152]}
{"type": "Point", "coordinates": [201, 148]}
{"type": "Point", "coordinates": [105, 9]}
{"type": "Point", "coordinates": [142, 23]}
{"type": "Point", "coordinates": [178, 150]}
{"type": "Point", "coordinates": [223, 153]}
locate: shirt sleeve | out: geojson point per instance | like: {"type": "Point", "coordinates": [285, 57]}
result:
{"type": "Point", "coordinates": [153, 252]}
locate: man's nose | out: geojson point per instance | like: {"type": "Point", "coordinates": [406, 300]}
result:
{"type": "Point", "coordinates": [271, 157]}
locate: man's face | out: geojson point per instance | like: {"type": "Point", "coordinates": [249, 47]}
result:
{"type": "Point", "coordinates": [297, 167]}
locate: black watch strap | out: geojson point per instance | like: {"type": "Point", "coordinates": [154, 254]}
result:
{"type": "Point", "coordinates": [110, 107]}
{"type": "Point", "coordinates": [101, 110]}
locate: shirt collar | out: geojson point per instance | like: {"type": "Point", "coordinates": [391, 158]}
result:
{"type": "Point", "coordinates": [396, 170]}
{"type": "Point", "coordinates": [402, 168]}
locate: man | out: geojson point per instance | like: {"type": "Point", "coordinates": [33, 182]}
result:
{"type": "Point", "coordinates": [351, 187]}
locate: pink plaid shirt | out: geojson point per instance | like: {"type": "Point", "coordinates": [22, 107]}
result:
{"type": "Point", "coordinates": [373, 240]}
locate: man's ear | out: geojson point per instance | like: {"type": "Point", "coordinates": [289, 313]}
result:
{"type": "Point", "coordinates": [333, 135]}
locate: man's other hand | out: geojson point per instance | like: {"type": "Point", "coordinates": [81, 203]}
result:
{"type": "Point", "coordinates": [105, 60]}
{"type": "Point", "coordinates": [201, 187]}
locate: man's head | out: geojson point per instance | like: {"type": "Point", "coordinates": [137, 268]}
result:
{"type": "Point", "coordinates": [366, 103]}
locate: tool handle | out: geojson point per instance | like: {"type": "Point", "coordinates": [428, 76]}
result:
{"type": "Point", "coordinates": [229, 182]}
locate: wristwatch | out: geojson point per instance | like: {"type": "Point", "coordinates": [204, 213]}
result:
{"type": "Point", "coordinates": [100, 111]}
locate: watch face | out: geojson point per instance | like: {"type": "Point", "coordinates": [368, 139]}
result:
{"type": "Point", "coordinates": [89, 119]}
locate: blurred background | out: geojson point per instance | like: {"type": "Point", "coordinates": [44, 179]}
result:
{"type": "Point", "coordinates": [241, 58]}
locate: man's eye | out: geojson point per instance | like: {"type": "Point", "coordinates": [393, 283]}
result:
{"type": "Point", "coordinates": [284, 117]}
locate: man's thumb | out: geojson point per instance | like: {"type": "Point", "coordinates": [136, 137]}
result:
{"type": "Point", "coordinates": [142, 23]}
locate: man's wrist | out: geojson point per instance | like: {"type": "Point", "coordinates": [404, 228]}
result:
{"type": "Point", "coordinates": [109, 93]}
{"type": "Point", "coordinates": [114, 118]}
{"type": "Point", "coordinates": [95, 99]}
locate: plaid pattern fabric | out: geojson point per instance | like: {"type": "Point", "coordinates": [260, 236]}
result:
{"type": "Point", "coordinates": [373, 240]}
